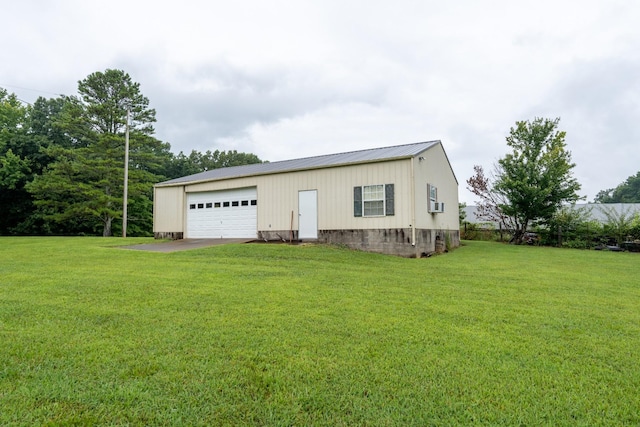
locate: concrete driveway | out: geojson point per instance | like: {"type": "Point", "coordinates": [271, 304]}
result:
{"type": "Point", "coordinates": [184, 244]}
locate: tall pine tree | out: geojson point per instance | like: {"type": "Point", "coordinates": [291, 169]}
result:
{"type": "Point", "coordinates": [83, 186]}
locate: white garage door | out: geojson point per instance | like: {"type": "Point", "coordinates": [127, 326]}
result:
{"type": "Point", "coordinates": [222, 214]}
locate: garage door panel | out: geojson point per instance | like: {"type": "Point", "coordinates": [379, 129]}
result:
{"type": "Point", "coordinates": [222, 214]}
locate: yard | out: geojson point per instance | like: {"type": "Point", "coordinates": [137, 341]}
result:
{"type": "Point", "coordinates": [259, 334]}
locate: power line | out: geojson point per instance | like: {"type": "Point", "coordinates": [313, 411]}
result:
{"type": "Point", "coordinates": [31, 90]}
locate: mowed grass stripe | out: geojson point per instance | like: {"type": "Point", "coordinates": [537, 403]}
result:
{"type": "Point", "coordinates": [313, 335]}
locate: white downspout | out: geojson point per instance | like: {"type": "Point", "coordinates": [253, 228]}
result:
{"type": "Point", "coordinates": [413, 204]}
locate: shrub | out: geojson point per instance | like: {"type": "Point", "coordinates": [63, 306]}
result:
{"type": "Point", "coordinates": [479, 231]}
{"type": "Point", "coordinates": [568, 225]}
{"type": "Point", "coordinates": [620, 225]}
{"type": "Point", "coordinates": [634, 229]}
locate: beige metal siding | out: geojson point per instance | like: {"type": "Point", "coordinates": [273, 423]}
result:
{"type": "Point", "coordinates": [278, 195]}
{"type": "Point", "coordinates": [436, 170]}
{"type": "Point", "coordinates": [168, 209]}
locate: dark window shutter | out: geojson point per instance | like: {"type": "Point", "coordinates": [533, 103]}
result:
{"type": "Point", "coordinates": [388, 200]}
{"type": "Point", "coordinates": [357, 201]}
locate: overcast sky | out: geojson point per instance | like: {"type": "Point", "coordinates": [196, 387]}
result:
{"type": "Point", "coordinates": [291, 79]}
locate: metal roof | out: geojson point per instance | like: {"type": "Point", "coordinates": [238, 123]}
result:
{"type": "Point", "coordinates": [594, 211]}
{"type": "Point", "coordinates": [317, 162]}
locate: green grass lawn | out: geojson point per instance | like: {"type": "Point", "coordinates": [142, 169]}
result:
{"type": "Point", "coordinates": [256, 334]}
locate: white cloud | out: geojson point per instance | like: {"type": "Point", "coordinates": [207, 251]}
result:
{"type": "Point", "coordinates": [286, 79]}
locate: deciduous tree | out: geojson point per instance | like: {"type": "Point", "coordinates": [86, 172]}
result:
{"type": "Point", "coordinates": [488, 207]}
{"type": "Point", "coordinates": [15, 166]}
{"type": "Point", "coordinates": [182, 165]}
{"type": "Point", "coordinates": [627, 192]}
{"type": "Point", "coordinates": [534, 180]}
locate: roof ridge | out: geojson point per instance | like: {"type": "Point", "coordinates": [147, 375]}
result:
{"type": "Point", "coordinates": [353, 151]}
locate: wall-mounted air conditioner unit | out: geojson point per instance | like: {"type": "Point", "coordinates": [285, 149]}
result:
{"type": "Point", "coordinates": [436, 207]}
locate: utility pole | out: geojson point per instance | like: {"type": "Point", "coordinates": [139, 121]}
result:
{"type": "Point", "coordinates": [126, 177]}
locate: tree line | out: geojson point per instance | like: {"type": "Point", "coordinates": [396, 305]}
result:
{"type": "Point", "coordinates": [62, 160]}
{"type": "Point", "coordinates": [626, 192]}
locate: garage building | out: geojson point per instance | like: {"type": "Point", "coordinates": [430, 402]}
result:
{"type": "Point", "coordinates": [399, 200]}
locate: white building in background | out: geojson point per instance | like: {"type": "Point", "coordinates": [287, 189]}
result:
{"type": "Point", "coordinates": [595, 211]}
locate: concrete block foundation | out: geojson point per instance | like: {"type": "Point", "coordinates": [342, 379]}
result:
{"type": "Point", "coordinates": [173, 235]}
{"type": "Point", "coordinates": [397, 241]}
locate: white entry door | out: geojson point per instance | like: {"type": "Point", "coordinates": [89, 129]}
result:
{"type": "Point", "coordinates": [308, 214]}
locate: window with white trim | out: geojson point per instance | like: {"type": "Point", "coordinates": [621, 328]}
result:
{"type": "Point", "coordinates": [433, 193]}
{"type": "Point", "coordinates": [373, 200]}
{"type": "Point", "coordinates": [433, 206]}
